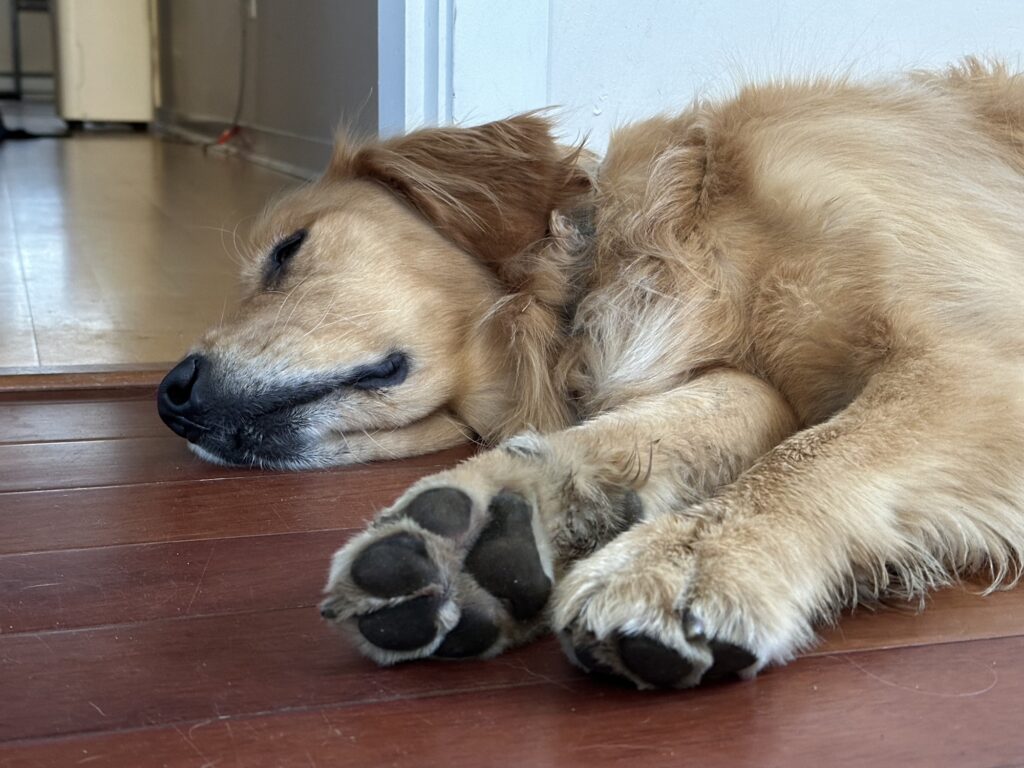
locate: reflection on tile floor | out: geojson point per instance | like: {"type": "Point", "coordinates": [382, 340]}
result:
{"type": "Point", "coordinates": [117, 248]}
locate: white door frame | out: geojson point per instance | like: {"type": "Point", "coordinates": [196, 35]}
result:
{"type": "Point", "coordinates": [454, 61]}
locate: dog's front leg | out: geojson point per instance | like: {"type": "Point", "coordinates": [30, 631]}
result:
{"type": "Point", "coordinates": [464, 562]}
{"type": "Point", "coordinates": [916, 482]}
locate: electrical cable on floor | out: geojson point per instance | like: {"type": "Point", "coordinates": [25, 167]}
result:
{"type": "Point", "coordinates": [234, 129]}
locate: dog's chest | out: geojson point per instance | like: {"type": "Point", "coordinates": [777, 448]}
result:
{"type": "Point", "coordinates": [630, 339]}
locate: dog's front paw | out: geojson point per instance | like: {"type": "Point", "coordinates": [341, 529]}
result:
{"type": "Point", "coordinates": [649, 607]}
{"type": "Point", "coordinates": [453, 570]}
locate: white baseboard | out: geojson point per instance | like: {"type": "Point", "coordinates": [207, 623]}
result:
{"type": "Point", "coordinates": [293, 155]}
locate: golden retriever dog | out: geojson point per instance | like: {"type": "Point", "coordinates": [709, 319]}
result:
{"type": "Point", "coordinates": [764, 362]}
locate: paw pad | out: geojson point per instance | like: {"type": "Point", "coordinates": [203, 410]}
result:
{"type": "Point", "coordinates": [729, 660]}
{"type": "Point", "coordinates": [473, 635]}
{"type": "Point", "coordinates": [394, 566]}
{"type": "Point", "coordinates": [505, 560]}
{"type": "Point", "coordinates": [651, 661]}
{"type": "Point", "coordinates": [403, 627]}
{"type": "Point", "coordinates": [444, 511]}
{"type": "Point", "coordinates": [427, 583]}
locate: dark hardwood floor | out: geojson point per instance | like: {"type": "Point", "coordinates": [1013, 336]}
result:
{"type": "Point", "coordinates": [160, 611]}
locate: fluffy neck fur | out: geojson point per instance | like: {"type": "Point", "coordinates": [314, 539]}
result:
{"type": "Point", "coordinates": [524, 337]}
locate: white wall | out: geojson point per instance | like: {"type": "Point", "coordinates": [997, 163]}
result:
{"type": "Point", "coordinates": [500, 58]}
{"type": "Point", "coordinates": [611, 62]}
{"type": "Point", "coordinates": [608, 61]}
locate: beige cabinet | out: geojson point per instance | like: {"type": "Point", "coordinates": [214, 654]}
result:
{"type": "Point", "coordinates": [104, 55]}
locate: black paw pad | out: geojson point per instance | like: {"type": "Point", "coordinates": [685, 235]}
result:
{"type": "Point", "coordinates": [473, 635]}
{"type": "Point", "coordinates": [652, 662]}
{"type": "Point", "coordinates": [505, 560]}
{"type": "Point", "coordinates": [404, 627]}
{"type": "Point", "coordinates": [444, 511]}
{"type": "Point", "coordinates": [394, 566]}
{"type": "Point", "coordinates": [729, 659]}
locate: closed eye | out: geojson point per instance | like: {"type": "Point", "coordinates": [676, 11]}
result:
{"type": "Point", "coordinates": [285, 250]}
{"type": "Point", "coordinates": [389, 372]}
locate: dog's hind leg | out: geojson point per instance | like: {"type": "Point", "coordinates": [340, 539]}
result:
{"type": "Point", "coordinates": [464, 562]}
{"type": "Point", "coordinates": [919, 481]}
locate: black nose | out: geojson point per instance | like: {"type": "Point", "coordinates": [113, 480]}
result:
{"type": "Point", "coordinates": [182, 395]}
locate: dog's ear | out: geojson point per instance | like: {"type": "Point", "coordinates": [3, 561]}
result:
{"type": "Point", "coordinates": [491, 189]}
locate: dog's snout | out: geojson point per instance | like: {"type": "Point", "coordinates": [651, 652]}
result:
{"type": "Point", "coordinates": [181, 397]}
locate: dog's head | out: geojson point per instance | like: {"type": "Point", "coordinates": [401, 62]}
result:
{"type": "Point", "coordinates": [358, 334]}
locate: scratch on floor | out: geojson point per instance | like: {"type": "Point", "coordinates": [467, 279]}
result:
{"type": "Point", "coordinates": [522, 667]}
{"type": "Point", "coordinates": [912, 689]}
{"type": "Point", "coordinates": [96, 706]}
{"type": "Point", "coordinates": [200, 724]}
{"type": "Point", "coordinates": [46, 645]}
{"type": "Point", "coordinates": [199, 584]}
{"type": "Point", "coordinates": [331, 728]}
{"type": "Point", "coordinates": [634, 747]}
{"type": "Point", "coordinates": [277, 513]}
{"type": "Point", "coordinates": [206, 761]}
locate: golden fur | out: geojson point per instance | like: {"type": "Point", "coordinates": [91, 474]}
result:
{"type": "Point", "coordinates": [795, 332]}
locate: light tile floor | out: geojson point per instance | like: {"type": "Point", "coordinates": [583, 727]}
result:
{"type": "Point", "coordinates": [116, 248]}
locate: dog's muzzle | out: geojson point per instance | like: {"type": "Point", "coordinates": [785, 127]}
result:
{"type": "Point", "coordinates": [235, 419]}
